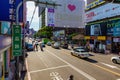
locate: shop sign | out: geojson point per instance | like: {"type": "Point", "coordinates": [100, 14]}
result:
{"type": "Point", "coordinates": [87, 37]}
{"type": "Point", "coordinates": [8, 8]}
{"type": "Point", "coordinates": [94, 4]}
{"type": "Point", "coordinates": [116, 39]}
{"type": "Point", "coordinates": [101, 38]}
{"type": "Point", "coordinates": [113, 28]}
{"type": "Point", "coordinates": [102, 12]}
{"type": "Point", "coordinates": [16, 40]}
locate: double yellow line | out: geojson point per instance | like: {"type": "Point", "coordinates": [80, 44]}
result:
{"type": "Point", "coordinates": [118, 74]}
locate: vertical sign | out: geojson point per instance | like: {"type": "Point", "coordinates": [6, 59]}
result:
{"type": "Point", "coordinates": [50, 17]}
{"type": "Point", "coordinates": [16, 40]}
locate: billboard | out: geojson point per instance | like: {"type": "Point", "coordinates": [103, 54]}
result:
{"type": "Point", "coordinates": [50, 17]}
{"type": "Point", "coordinates": [105, 11]}
{"type": "Point", "coordinates": [7, 10]}
{"type": "Point", "coordinates": [113, 27]}
{"type": "Point", "coordinates": [70, 13]}
{"type": "Point", "coordinates": [96, 29]}
{"type": "Point", "coordinates": [5, 27]}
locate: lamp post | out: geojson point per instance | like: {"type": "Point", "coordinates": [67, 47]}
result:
{"type": "Point", "coordinates": [17, 77]}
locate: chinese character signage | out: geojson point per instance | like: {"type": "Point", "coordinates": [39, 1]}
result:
{"type": "Point", "coordinates": [16, 40]}
{"type": "Point", "coordinates": [8, 10]}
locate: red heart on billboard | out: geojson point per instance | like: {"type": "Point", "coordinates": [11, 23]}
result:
{"type": "Point", "coordinates": [71, 7]}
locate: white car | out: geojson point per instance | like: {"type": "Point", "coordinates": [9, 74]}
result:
{"type": "Point", "coordinates": [80, 52]}
{"type": "Point", "coordinates": [116, 59]}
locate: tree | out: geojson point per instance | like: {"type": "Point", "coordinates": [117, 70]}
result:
{"type": "Point", "coordinates": [45, 31]}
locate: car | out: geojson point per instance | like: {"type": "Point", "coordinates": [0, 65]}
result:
{"type": "Point", "coordinates": [49, 43]}
{"type": "Point", "coordinates": [56, 45]}
{"type": "Point", "coordinates": [30, 47]}
{"type": "Point", "coordinates": [115, 59]}
{"type": "Point", "coordinates": [80, 52]}
{"type": "Point", "coordinates": [64, 45]}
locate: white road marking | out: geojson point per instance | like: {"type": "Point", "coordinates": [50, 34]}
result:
{"type": "Point", "coordinates": [55, 76]}
{"type": "Point", "coordinates": [76, 69]}
{"type": "Point", "coordinates": [111, 66]}
{"type": "Point", "coordinates": [117, 79]}
{"type": "Point", "coordinates": [42, 60]}
{"type": "Point", "coordinates": [49, 68]}
{"type": "Point", "coordinates": [29, 77]}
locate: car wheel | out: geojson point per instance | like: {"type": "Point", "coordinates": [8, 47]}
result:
{"type": "Point", "coordinates": [114, 61]}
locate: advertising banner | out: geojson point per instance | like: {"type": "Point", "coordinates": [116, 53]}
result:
{"type": "Point", "coordinates": [96, 29]}
{"type": "Point", "coordinates": [8, 8]}
{"type": "Point", "coordinates": [50, 17]}
{"type": "Point", "coordinates": [113, 28]}
{"type": "Point", "coordinates": [70, 13]}
{"type": "Point", "coordinates": [5, 27]}
{"type": "Point", "coordinates": [105, 11]}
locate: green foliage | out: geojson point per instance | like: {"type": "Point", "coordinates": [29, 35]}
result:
{"type": "Point", "coordinates": [45, 31]}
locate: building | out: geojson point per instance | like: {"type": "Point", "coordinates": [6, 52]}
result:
{"type": "Point", "coordinates": [102, 29]}
{"type": "Point", "coordinates": [68, 17]}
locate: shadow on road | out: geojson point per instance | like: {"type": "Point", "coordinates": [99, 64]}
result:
{"type": "Point", "coordinates": [90, 60]}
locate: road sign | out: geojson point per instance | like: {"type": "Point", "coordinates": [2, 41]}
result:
{"type": "Point", "coordinates": [16, 40]}
{"type": "Point", "coordinates": [7, 10]}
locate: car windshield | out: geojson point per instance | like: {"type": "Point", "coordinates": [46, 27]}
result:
{"type": "Point", "coordinates": [81, 50]}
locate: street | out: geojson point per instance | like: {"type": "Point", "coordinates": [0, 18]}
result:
{"type": "Point", "coordinates": [59, 64]}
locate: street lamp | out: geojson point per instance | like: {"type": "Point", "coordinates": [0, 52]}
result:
{"type": "Point", "coordinates": [17, 23]}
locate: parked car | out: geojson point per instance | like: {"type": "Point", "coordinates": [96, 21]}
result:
{"type": "Point", "coordinates": [49, 43]}
{"type": "Point", "coordinates": [64, 45]}
{"type": "Point", "coordinates": [80, 52]}
{"type": "Point", "coordinates": [29, 47]}
{"type": "Point", "coordinates": [56, 45]}
{"type": "Point", "coordinates": [116, 59]}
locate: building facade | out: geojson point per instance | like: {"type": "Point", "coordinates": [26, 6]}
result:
{"type": "Point", "coordinates": [103, 29]}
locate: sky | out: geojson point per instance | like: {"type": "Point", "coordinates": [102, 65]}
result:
{"type": "Point", "coordinates": [30, 10]}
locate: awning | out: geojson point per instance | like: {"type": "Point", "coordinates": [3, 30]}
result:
{"type": "Point", "coordinates": [78, 37]}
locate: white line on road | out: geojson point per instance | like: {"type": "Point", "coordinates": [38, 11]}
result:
{"type": "Point", "coordinates": [76, 69]}
{"type": "Point", "coordinates": [49, 68]}
{"type": "Point", "coordinates": [111, 66]}
{"type": "Point", "coordinates": [29, 77]}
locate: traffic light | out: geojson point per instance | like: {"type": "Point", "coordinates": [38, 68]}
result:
{"type": "Point", "coordinates": [114, 1]}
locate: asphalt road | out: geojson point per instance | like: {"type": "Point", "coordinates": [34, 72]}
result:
{"type": "Point", "coordinates": [59, 64]}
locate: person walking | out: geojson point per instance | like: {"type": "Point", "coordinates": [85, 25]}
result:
{"type": "Point", "coordinates": [41, 46]}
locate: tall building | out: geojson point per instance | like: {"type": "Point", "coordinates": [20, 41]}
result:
{"type": "Point", "coordinates": [69, 16]}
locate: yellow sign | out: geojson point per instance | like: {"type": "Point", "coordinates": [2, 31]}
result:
{"type": "Point", "coordinates": [101, 37]}
{"type": "Point", "coordinates": [94, 4]}
{"type": "Point", "coordinates": [87, 37]}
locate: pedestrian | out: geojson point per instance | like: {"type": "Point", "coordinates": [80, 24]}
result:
{"type": "Point", "coordinates": [71, 77]}
{"type": "Point", "coordinates": [36, 46]}
{"type": "Point", "coordinates": [41, 46]}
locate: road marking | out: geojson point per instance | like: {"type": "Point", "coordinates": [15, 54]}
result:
{"type": "Point", "coordinates": [55, 76]}
{"type": "Point", "coordinates": [107, 70]}
{"type": "Point", "coordinates": [49, 68]}
{"type": "Point", "coordinates": [29, 77]}
{"type": "Point", "coordinates": [117, 79]}
{"type": "Point", "coordinates": [76, 69]}
{"type": "Point", "coordinates": [111, 66]}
